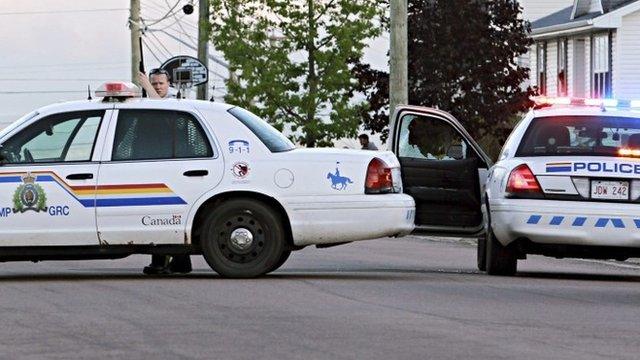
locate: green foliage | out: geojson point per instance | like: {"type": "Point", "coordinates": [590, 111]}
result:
{"type": "Point", "coordinates": [292, 61]}
{"type": "Point", "coordinates": [462, 59]}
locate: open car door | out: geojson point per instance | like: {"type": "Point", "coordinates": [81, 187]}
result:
{"type": "Point", "coordinates": [443, 169]}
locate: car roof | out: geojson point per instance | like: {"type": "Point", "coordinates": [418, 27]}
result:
{"type": "Point", "coordinates": [570, 110]}
{"type": "Point", "coordinates": [169, 104]}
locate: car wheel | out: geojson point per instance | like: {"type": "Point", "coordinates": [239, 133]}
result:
{"type": "Point", "coordinates": [283, 258]}
{"type": "Point", "coordinates": [482, 254]}
{"type": "Point", "coordinates": [243, 238]}
{"type": "Point", "coordinates": [501, 260]}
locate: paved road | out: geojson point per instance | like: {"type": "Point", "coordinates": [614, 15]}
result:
{"type": "Point", "coordinates": [384, 299]}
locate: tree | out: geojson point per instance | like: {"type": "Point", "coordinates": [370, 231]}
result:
{"type": "Point", "coordinates": [293, 61]}
{"type": "Point", "coordinates": [462, 59]}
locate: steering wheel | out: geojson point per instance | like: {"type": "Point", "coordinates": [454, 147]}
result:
{"type": "Point", "coordinates": [27, 155]}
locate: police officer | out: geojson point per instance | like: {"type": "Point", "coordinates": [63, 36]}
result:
{"type": "Point", "coordinates": [157, 87]}
{"type": "Point", "coordinates": [157, 84]}
{"type": "Point", "coordinates": [366, 144]}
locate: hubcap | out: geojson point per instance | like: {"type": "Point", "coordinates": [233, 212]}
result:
{"type": "Point", "coordinates": [241, 238]}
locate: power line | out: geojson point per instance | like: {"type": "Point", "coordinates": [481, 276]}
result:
{"type": "Point", "coordinates": [161, 44]}
{"type": "Point", "coordinates": [151, 51]}
{"type": "Point", "coordinates": [211, 57]}
{"type": "Point", "coordinates": [181, 27]}
{"type": "Point", "coordinates": [42, 92]}
{"type": "Point", "coordinates": [50, 79]}
{"type": "Point", "coordinates": [38, 71]}
{"type": "Point", "coordinates": [60, 65]}
{"type": "Point", "coordinates": [59, 11]}
{"type": "Point", "coordinates": [169, 13]}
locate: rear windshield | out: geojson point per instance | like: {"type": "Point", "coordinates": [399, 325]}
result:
{"type": "Point", "coordinates": [580, 135]}
{"type": "Point", "coordinates": [272, 138]}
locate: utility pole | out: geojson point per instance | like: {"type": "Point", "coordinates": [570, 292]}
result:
{"type": "Point", "coordinates": [398, 63]}
{"type": "Point", "coordinates": [134, 25]}
{"type": "Point", "coordinates": [203, 43]}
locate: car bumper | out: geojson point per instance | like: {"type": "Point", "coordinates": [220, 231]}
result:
{"type": "Point", "coordinates": [566, 222]}
{"type": "Point", "coordinates": [335, 219]}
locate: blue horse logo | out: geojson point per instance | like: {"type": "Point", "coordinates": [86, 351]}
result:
{"type": "Point", "coordinates": [338, 182]}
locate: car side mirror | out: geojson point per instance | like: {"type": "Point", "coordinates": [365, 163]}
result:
{"type": "Point", "coordinates": [455, 152]}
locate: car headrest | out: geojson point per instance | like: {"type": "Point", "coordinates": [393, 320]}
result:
{"type": "Point", "coordinates": [554, 135]}
{"type": "Point", "coordinates": [634, 141]}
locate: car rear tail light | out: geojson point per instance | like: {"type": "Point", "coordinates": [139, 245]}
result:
{"type": "Point", "coordinates": [522, 181]}
{"type": "Point", "coordinates": [629, 152]}
{"type": "Point", "coordinates": [379, 178]}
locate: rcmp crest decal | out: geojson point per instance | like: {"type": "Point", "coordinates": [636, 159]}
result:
{"type": "Point", "coordinates": [29, 196]}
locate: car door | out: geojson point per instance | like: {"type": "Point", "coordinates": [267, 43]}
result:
{"type": "Point", "coordinates": [158, 162]}
{"type": "Point", "coordinates": [443, 169]}
{"type": "Point", "coordinates": [48, 177]}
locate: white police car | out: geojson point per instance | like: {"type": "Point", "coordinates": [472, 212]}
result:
{"type": "Point", "coordinates": [122, 175]}
{"type": "Point", "coordinates": [567, 183]}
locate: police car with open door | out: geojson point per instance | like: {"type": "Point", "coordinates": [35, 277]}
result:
{"type": "Point", "coordinates": [121, 175]}
{"type": "Point", "coordinates": [566, 184]}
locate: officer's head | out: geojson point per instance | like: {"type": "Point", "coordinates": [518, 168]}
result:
{"type": "Point", "coordinates": [159, 79]}
{"type": "Point", "coordinates": [364, 139]}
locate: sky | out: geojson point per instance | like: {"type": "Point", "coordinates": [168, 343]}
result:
{"type": "Point", "coordinates": [53, 49]}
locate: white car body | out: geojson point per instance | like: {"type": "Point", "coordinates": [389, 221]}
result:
{"type": "Point", "coordinates": [138, 206]}
{"type": "Point", "coordinates": [563, 219]}
{"type": "Point", "coordinates": [551, 221]}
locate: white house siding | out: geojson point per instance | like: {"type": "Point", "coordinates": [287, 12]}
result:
{"type": "Point", "coordinates": [614, 60]}
{"type": "Point", "coordinates": [587, 66]}
{"type": "Point", "coordinates": [588, 6]}
{"type": "Point", "coordinates": [570, 68]}
{"type": "Point", "coordinates": [577, 61]}
{"type": "Point", "coordinates": [595, 6]}
{"type": "Point", "coordinates": [627, 83]}
{"type": "Point", "coordinates": [533, 62]}
{"type": "Point", "coordinates": [536, 9]}
{"type": "Point", "coordinates": [552, 68]}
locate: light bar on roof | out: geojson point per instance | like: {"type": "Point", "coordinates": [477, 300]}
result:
{"type": "Point", "coordinates": [543, 100]}
{"type": "Point", "coordinates": [118, 89]}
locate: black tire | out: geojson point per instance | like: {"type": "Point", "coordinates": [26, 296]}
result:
{"type": "Point", "coordinates": [283, 258]}
{"type": "Point", "coordinates": [482, 253]}
{"type": "Point", "coordinates": [501, 260]}
{"type": "Point", "coordinates": [243, 216]}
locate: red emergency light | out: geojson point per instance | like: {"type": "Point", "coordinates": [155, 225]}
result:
{"type": "Point", "coordinates": [118, 89]}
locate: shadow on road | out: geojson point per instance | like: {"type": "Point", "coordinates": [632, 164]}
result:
{"type": "Point", "coordinates": [359, 274]}
{"type": "Point", "coordinates": [351, 274]}
{"type": "Point", "coordinates": [579, 276]}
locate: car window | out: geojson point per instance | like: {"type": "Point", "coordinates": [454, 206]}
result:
{"type": "Point", "coordinates": [580, 135]}
{"type": "Point", "coordinates": [423, 137]}
{"type": "Point", "coordinates": [57, 138]}
{"type": "Point", "coordinates": [159, 134]}
{"type": "Point", "coordinates": [273, 139]}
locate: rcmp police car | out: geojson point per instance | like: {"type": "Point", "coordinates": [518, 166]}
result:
{"type": "Point", "coordinates": [122, 175]}
{"type": "Point", "coordinates": [567, 183]}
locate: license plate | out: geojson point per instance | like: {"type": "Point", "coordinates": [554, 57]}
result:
{"type": "Point", "coordinates": [611, 190]}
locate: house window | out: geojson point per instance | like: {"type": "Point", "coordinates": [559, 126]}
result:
{"type": "Point", "coordinates": [601, 66]}
{"type": "Point", "coordinates": [563, 89]}
{"type": "Point", "coordinates": [541, 65]}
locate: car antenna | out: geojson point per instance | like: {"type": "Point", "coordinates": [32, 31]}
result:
{"type": "Point", "coordinates": [89, 92]}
